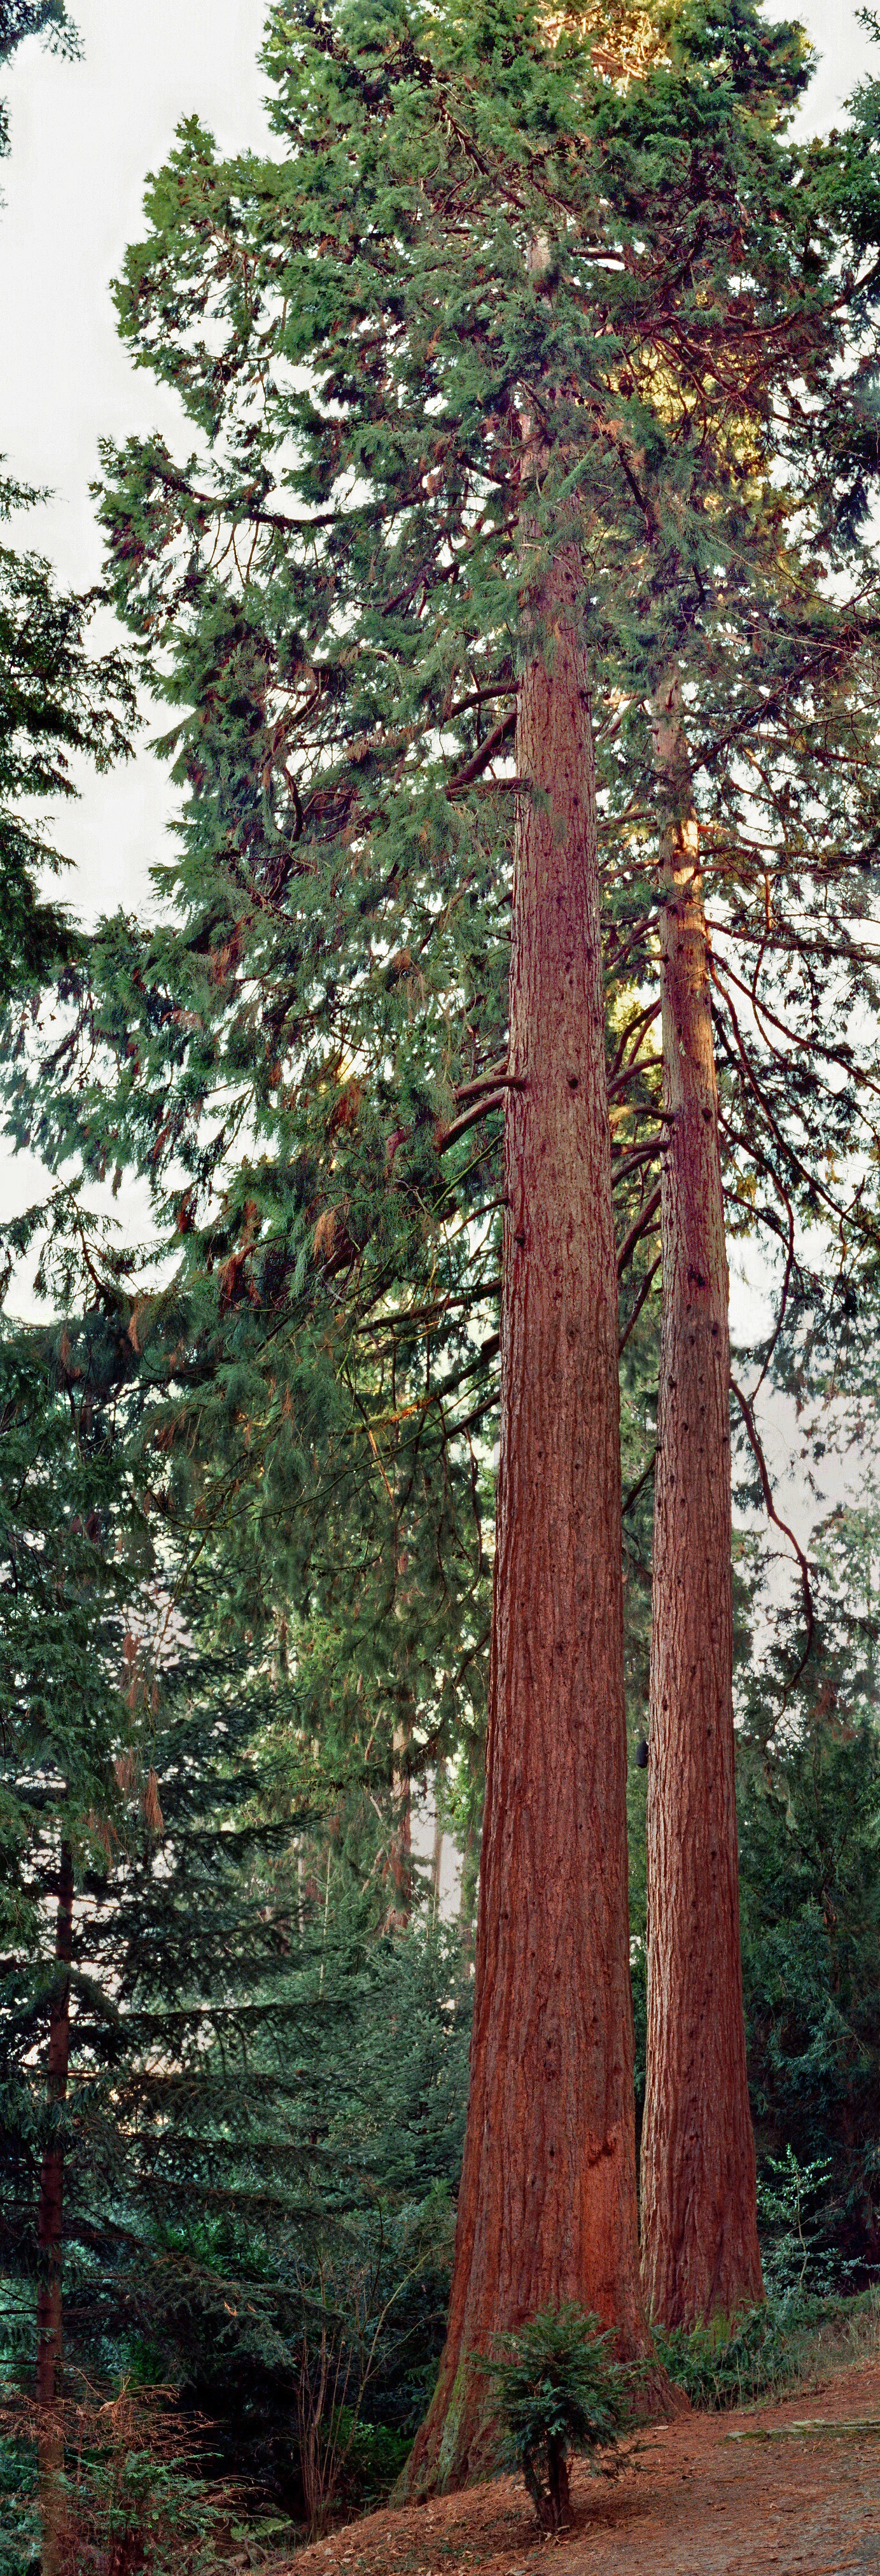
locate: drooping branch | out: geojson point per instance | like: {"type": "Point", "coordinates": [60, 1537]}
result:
{"type": "Point", "coordinates": [480, 758]}
{"type": "Point", "coordinates": [641, 1481]}
{"type": "Point", "coordinates": [783, 1302]}
{"type": "Point", "coordinates": [810, 1179]}
{"type": "Point", "coordinates": [640, 1300]}
{"type": "Point", "coordinates": [640, 1225]}
{"type": "Point", "coordinates": [773, 1515]}
{"type": "Point", "coordinates": [447, 1136]}
{"type": "Point", "coordinates": [812, 1046]}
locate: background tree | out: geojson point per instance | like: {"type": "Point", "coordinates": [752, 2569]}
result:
{"type": "Point", "coordinates": [63, 1596]}
{"type": "Point", "coordinates": [220, 2181]}
{"type": "Point", "coordinates": [20, 18]}
{"type": "Point", "coordinates": [809, 1876]}
{"type": "Point", "coordinates": [713, 793]}
{"type": "Point", "coordinates": [53, 699]}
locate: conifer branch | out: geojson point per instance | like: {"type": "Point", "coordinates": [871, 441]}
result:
{"type": "Point", "coordinates": [773, 1515]}
{"type": "Point", "coordinates": [482, 1108]}
{"type": "Point", "coordinates": [481, 758]}
{"type": "Point", "coordinates": [632, 1320]}
{"type": "Point", "coordinates": [626, 1159]}
{"type": "Point", "coordinates": [641, 1225]}
{"type": "Point", "coordinates": [641, 1481]}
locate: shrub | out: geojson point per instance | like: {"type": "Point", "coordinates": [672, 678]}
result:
{"type": "Point", "coordinates": [729, 2361]}
{"type": "Point", "coordinates": [557, 2391]}
{"type": "Point", "coordinates": [795, 2253]}
{"type": "Point", "coordinates": [131, 2495]}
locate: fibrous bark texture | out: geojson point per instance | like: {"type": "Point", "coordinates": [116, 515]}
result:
{"type": "Point", "coordinates": [699, 2228]}
{"type": "Point", "coordinates": [547, 2205]}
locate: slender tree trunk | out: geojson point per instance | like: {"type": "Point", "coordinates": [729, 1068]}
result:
{"type": "Point", "coordinates": [50, 2233]}
{"type": "Point", "coordinates": [468, 1889]}
{"type": "Point", "coordinates": [547, 2204]}
{"type": "Point", "coordinates": [699, 2227]}
{"type": "Point", "coordinates": [437, 1855]}
{"type": "Point", "coordinates": [400, 1838]}
{"type": "Point", "coordinates": [557, 2474]}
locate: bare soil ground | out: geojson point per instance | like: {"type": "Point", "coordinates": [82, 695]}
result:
{"type": "Point", "coordinates": [792, 2485]}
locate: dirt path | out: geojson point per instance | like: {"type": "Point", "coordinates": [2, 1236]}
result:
{"type": "Point", "coordinates": [719, 2495]}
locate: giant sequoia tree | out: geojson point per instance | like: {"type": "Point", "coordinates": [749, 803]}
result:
{"type": "Point", "coordinates": [547, 2199]}
{"type": "Point", "coordinates": [337, 758]}
{"type": "Point", "coordinates": [748, 763]}
{"type": "Point", "coordinates": [452, 479]}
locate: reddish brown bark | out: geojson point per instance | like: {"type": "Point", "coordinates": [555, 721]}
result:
{"type": "Point", "coordinates": [50, 2227]}
{"type": "Point", "coordinates": [547, 2205]}
{"type": "Point", "coordinates": [699, 2229]}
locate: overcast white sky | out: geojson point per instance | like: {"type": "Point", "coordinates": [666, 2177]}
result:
{"type": "Point", "coordinates": [83, 137]}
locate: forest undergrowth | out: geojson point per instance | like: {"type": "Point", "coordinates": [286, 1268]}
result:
{"type": "Point", "coordinates": [144, 2489]}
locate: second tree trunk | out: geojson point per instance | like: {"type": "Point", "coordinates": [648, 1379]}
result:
{"type": "Point", "coordinates": [699, 2227]}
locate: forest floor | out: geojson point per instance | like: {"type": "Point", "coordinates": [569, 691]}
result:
{"type": "Point", "coordinates": [789, 2485]}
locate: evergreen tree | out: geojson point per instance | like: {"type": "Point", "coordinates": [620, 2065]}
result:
{"type": "Point", "coordinates": [192, 2147]}
{"type": "Point", "coordinates": [515, 363]}
{"type": "Point", "coordinates": [53, 699]}
{"type": "Point", "coordinates": [748, 748]}
{"type": "Point", "coordinates": [810, 1813]}
{"type": "Point", "coordinates": [64, 1585]}
{"type": "Point", "coordinates": [324, 1019]}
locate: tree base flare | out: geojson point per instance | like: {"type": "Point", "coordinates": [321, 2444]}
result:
{"type": "Point", "coordinates": [459, 2442]}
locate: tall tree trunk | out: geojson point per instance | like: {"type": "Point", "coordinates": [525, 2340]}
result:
{"type": "Point", "coordinates": [547, 2204]}
{"type": "Point", "coordinates": [437, 1855]}
{"type": "Point", "coordinates": [400, 1837]}
{"type": "Point", "coordinates": [49, 2232]}
{"type": "Point", "coordinates": [699, 2227]}
{"type": "Point", "coordinates": [468, 1888]}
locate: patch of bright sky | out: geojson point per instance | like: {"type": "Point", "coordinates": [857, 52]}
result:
{"type": "Point", "coordinates": [83, 138]}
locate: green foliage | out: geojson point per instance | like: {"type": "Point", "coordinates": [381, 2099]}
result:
{"type": "Point", "coordinates": [810, 1890]}
{"type": "Point", "coordinates": [731, 2362]}
{"type": "Point", "coordinates": [54, 701]}
{"type": "Point", "coordinates": [266, 2104]}
{"type": "Point", "coordinates": [557, 2391]}
{"type": "Point", "coordinates": [19, 2509]}
{"type": "Point", "coordinates": [20, 18]}
{"type": "Point", "coordinates": [375, 2461]}
{"type": "Point", "coordinates": [267, 2090]}
{"type": "Point", "coordinates": [135, 2492]}
{"type": "Point", "coordinates": [795, 2254]}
